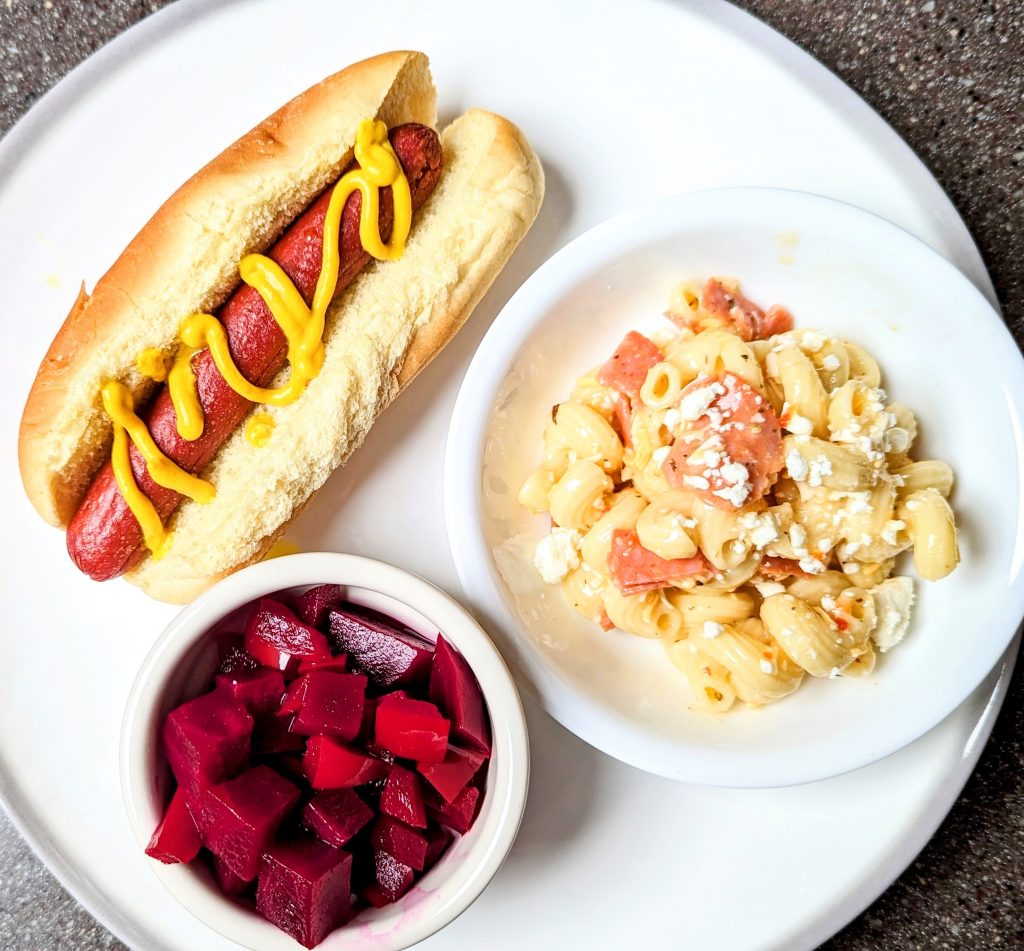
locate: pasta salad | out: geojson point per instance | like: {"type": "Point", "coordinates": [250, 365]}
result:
{"type": "Point", "coordinates": [740, 489]}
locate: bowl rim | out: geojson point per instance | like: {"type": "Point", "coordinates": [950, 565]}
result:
{"type": "Point", "coordinates": [392, 927]}
{"type": "Point", "coordinates": [588, 718]}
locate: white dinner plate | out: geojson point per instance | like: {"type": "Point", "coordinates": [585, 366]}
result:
{"type": "Point", "coordinates": [943, 351]}
{"type": "Point", "coordinates": [659, 861]}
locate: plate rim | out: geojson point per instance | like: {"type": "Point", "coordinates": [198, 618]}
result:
{"type": "Point", "coordinates": [748, 30]}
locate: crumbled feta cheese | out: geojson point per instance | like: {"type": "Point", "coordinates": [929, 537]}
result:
{"type": "Point", "coordinates": [833, 673]}
{"type": "Point", "coordinates": [811, 565]}
{"type": "Point", "coordinates": [672, 418]}
{"type": "Point", "coordinates": [735, 494]}
{"type": "Point", "coordinates": [828, 603]}
{"type": "Point", "coordinates": [891, 531]}
{"type": "Point", "coordinates": [799, 425]}
{"type": "Point", "coordinates": [737, 546]}
{"type": "Point", "coordinates": [851, 568]}
{"type": "Point", "coordinates": [812, 341]}
{"type": "Point", "coordinates": [913, 505]}
{"type": "Point", "coordinates": [797, 535]}
{"type": "Point", "coordinates": [660, 455]}
{"type": "Point", "coordinates": [711, 629]}
{"type": "Point", "coordinates": [697, 402]}
{"type": "Point", "coordinates": [831, 363]}
{"type": "Point", "coordinates": [735, 473]}
{"type": "Point", "coordinates": [696, 482]}
{"type": "Point", "coordinates": [820, 467]}
{"type": "Point", "coordinates": [557, 554]}
{"type": "Point", "coordinates": [796, 466]}
{"type": "Point", "coordinates": [760, 530]}
{"type": "Point", "coordinates": [767, 667]}
{"type": "Point", "coordinates": [893, 600]}
{"type": "Point", "coordinates": [712, 459]}
{"type": "Point", "coordinates": [859, 502]}
{"type": "Point", "coordinates": [769, 588]}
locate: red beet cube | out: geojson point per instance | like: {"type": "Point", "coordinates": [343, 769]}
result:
{"type": "Point", "coordinates": [176, 838]}
{"type": "Point", "coordinates": [457, 694]}
{"type": "Point", "coordinates": [338, 663]}
{"type": "Point", "coordinates": [329, 765]}
{"type": "Point", "coordinates": [235, 658]}
{"type": "Point", "coordinates": [337, 815]}
{"type": "Point", "coordinates": [389, 654]}
{"type": "Point", "coordinates": [229, 882]}
{"type": "Point", "coordinates": [438, 840]}
{"type": "Point", "coordinates": [312, 605]}
{"type": "Point", "coordinates": [392, 878]}
{"type": "Point", "coordinates": [271, 735]}
{"type": "Point", "coordinates": [207, 741]}
{"type": "Point", "coordinates": [398, 840]}
{"type": "Point", "coordinates": [241, 816]}
{"type": "Point", "coordinates": [393, 695]}
{"type": "Point", "coordinates": [304, 889]}
{"type": "Point", "coordinates": [259, 691]}
{"type": "Point", "coordinates": [402, 798]}
{"type": "Point", "coordinates": [332, 704]}
{"type": "Point", "coordinates": [458, 815]}
{"type": "Point", "coordinates": [278, 639]}
{"type": "Point", "coordinates": [292, 702]}
{"type": "Point", "coordinates": [413, 729]}
{"type": "Point", "coordinates": [372, 895]}
{"type": "Point", "coordinates": [453, 773]}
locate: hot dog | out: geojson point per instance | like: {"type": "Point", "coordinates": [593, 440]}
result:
{"type": "Point", "coordinates": [177, 485]}
{"type": "Point", "coordinates": [104, 538]}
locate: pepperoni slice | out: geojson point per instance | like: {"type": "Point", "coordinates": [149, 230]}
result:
{"type": "Point", "coordinates": [627, 368]}
{"type": "Point", "coordinates": [778, 569]}
{"type": "Point", "coordinates": [731, 450]}
{"type": "Point", "coordinates": [778, 320]}
{"type": "Point", "coordinates": [635, 569]}
{"type": "Point", "coordinates": [730, 310]}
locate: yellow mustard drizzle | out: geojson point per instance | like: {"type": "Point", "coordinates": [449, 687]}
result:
{"type": "Point", "coordinates": [302, 326]}
{"type": "Point", "coordinates": [259, 429]}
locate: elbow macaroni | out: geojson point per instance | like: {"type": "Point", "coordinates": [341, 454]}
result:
{"type": "Point", "coordinates": [748, 597]}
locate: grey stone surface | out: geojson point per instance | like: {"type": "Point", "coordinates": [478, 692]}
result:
{"type": "Point", "coordinates": [949, 76]}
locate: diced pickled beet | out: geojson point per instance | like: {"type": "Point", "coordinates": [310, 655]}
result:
{"type": "Point", "coordinates": [393, 695]}
{"type": "Point", "coordinates": [329, 765]}
{"type": "Point", "coordinates": [413, 729]}
{"type": "Point", "coordinates": [332, 704]}
{"type": "Point", "coordinates": [292, 702]}
{"type": "Point", "coordinates": [271, 735]}
{"type": "Point", "coordinates": [229, 882]}
{"type": "Point", "coordinates": [438, 840]}
{"type": "Point", "coordinates": [458, 815]}
{"type": "Point", "coordinates": [457, 694]}
{"type": "Point", "coordinates": [336, 815]}
{"type": "Point", "coordinates": [235, 659]}
{"type": "Point", "coordinates": [402, 798]}
{"type": "Point", "coordinates": [389, 654]}
{"type": "Point", "coordinates": [453, 773]}
{"type": "Point", "coordinates": [338, 663]}
{"type": "Point", "coordinates": [398, 840]}
{"type": "Point", "coordinates": [278, 639]}
{"type": "Point", "coordinates": [304, 889]}
{"type": "Point", "coordinates": [393, 878]}
{"type": "Point", "coordinates": [259, 691]}
{"type": "Point", "coordinates": [176, 838]}
{"type": "Point", "coordinates": [312, 605]}
{"type": "Point", "coordinates": [372, 895]}
{"type": "Point", "coordinates": [241, 816]}
{"type": "Point", "coordinates": [207, 741]}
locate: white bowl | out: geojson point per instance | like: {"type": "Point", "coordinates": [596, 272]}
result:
{"type": "Point", "coordinates": [944, 352]}
{"type": "Point", "coordinates": [180, 666]}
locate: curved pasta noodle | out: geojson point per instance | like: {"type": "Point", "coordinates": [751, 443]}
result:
{"type": "Point", "coordinates": [647, 615]}
{"type": "Point", "coordinates": [713, 353]}
{"type": "Point", "coordinates": [533, 493]}
{"type": "Point", "coordinates": [856, 411]}
{"type": "Point", "coordinates": [933, 530]}
{"type": "Point", "coordinates": [589, 391]}
{"type": "Point", "coordinates": [721, 607]}
{"type": "Point", "coordinates": [901, 433]}
{"type": "Point", "coordinates": [808, 635]}
{"type": "Point", "coordinates": [721, 536]}
{"type": "Point", "coordinates": [832, 363]}
{"type": "Point", "coordinates": [665, 526]}
{"type": "Point", "coordinates": [577, 499]}
{"type": "Point", "coordinates": [801, 387]}
{"type": "Point", "coordinates": [707, 679]}
{"type": "Point", "coordinates": [582, 589]}
{"type": "Point", "coordinates": [820, 462]}
{"type": "Point", "coordinates": [863, 366]}
{"type": "Point", "coordinates": [624, 508]}
{"type": "Point", "coordinates": [759, 670]}
{"type": "Point", "coordinates": [923, 475]}
{"type": "Point", "coordinates": [587, 435]}
{"type": "Point", "coordinates": [829, 584]}
{"type": "Point", "coordinates": [662, 386]}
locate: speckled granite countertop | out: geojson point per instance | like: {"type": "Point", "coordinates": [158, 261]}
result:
{"type": "Point", "coordinates": [949, 76]}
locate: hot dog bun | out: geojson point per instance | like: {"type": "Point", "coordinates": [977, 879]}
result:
{"type": "Point", "coordinates": [382, 330]}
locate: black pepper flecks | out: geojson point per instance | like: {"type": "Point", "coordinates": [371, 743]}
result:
{"type": "Point", "coordinates": [949, 76]}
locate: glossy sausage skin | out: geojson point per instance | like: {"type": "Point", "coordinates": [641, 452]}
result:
{"type": "Point", "coordinates": [104, 539]}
